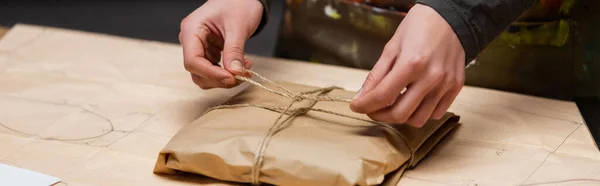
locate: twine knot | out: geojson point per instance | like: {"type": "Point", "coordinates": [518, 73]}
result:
{"type": "Point", "coordinates": [298, 98]}
{"type": "Point", "coordinates": [313, 96]}
{"type": "Point", "coordinates": [302, 110]}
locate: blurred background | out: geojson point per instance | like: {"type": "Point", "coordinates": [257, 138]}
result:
{"type": "Point", "coordinates": [157, 20]}
{"type": "Point", "coordinates": [552, 51]}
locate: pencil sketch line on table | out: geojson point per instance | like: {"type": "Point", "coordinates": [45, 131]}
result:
{"type": "Point", "coordinates": [105, 132]}
{"type": "Point", "coordinates": [39, 101]}
{"type": "Point", "coordinates": [427, 180]}
{"type": "Point", "coordinates": [15, 130]}
{"type": "Point", "coordinates": [10, 163]}
{"type": "Point", "coordinates": [563, 181]}
{"type": "Point", "coordinates": [519, 120]}
{"type": "Point", "coordinates": [537, 114]}
{"type": "Point", "coordinates": [129, 132]}
{"type": "Point", "coordinates": [470, 107]}
{"type": "Point", "coordinates": [549, 154]}
{"type": "Point", "coordinates": [26, 43]}
{"type": "Point", "coordinates": [493, 142]}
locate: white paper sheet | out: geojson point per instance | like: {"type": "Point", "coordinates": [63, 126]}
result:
{"type": "Point", "coordinates": [10, 175]}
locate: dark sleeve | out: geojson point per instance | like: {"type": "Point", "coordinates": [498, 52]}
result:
{"type": "Point", "coordinates": [265, 17]}
{"type": "Point", "coordinates": [478, 22]}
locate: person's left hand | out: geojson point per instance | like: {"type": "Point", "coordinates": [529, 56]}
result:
{"type": "Point", "coordinates": [424, 56]}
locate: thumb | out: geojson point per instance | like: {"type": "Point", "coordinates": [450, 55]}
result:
{"type": "Point", "coordinates": [233, 52]}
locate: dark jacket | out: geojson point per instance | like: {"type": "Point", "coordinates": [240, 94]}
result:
{"type": "Point", "coordinates": [549, 49]}
{"type": "Point", "coordinates": [477, 23]}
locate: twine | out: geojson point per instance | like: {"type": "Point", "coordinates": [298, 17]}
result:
{"type": "Point", "coordinates": [280, 123]}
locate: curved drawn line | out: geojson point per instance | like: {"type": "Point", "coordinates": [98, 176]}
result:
{"type": "Point", "coordinates": [112, 129]}
{"type": "Point", "coordinates": [563, 181]}
{"type": "Point", "coordinates": [127, 133]}
{"type": "Point", "coordinates": [28, 42]}
{"type": "Point", "coordinates": [15, 130]}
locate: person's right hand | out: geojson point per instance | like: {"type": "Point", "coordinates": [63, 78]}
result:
{"type": "Point", "coordinates": [218, 26]}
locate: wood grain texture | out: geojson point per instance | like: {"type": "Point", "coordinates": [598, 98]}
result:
{"type": "Point", "coordinates": [115, 102]}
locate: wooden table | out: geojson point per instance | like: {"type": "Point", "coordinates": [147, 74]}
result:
{"type": "Point", "coordinates": [95, 109]}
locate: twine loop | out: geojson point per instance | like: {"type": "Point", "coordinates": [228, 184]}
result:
{"type": "Point", "coordinates": [281, 123]}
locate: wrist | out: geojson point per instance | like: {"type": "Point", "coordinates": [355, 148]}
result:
{"type": "Point", "coordinates": [463, 31]}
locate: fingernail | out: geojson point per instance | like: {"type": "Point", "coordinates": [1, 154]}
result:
{"type": "Point", "coordinates": [228, 81]}
{"type": "Point", "coordinates": [236, 65]}
{"type": "Point", "coordinates": [357, 93]}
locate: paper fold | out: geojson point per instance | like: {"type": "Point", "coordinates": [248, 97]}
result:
{"type": "Point", "coordinates": [316, 149]}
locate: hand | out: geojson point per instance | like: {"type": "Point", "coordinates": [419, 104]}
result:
{"type": "Point", "coordinates": [425, 57]}
{"type": "Point", "coordinates": [219, 25]}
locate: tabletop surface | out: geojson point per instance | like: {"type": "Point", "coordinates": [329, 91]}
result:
{"type": "Point", "coordinates": [96, 109]}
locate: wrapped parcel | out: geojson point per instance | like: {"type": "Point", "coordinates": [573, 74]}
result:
{"type": "Point", "coordinates": [298, 135]}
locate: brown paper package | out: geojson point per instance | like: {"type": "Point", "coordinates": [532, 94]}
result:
{"type": "Point", "coordinates": [316, 148]}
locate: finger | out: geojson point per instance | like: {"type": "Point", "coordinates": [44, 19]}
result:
{"type": "Point", "coordinates": [203, 84]}
{"type": "Point", "coordinates": [196, 79]}
{"type": "Point", "coordinates": [215, 40]}
{"type": "Point", "coordinates": [215, 46]}
{"type": "Point", "coordinates": [447, 100]}
{"type": "Point", "coordinates": [456, 83]}
{"type": "Point", "coordinates": [408, 102]}
{"type": "Point", "coordinates": [195, 59]}
{"type": "Point", "coordinates": [425, 109]}
{"type": "Point", "coordinates": [193, 42]}
{"type": "Point", "coordinates": [381, 68]}
{"type": "Point", "coordinates": [209, 84]}
{"type": "Point", "coordinates": [205, 69]}
{"type": "Point", "coordinates": [248, 65]}
{"type": "Point", "coordinates": [233, 52]}
{"type": "Point", "coordinates": [213, 54]}
{"type": "Point", "coordinates": [405, 71]}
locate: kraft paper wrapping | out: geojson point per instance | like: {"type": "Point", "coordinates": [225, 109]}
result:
{"type": "Point", "coordinates": [315, 149]}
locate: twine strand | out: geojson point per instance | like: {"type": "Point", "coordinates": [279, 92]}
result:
{"type": "Point", "coordinates": [279, 124]}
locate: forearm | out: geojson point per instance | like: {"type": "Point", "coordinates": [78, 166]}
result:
{"type": "Point", "coordinates": [477, 23]}
{"type": "Point", "coordinates": [266, 4]}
